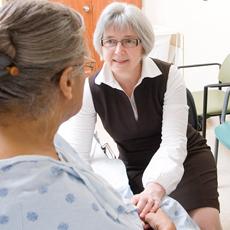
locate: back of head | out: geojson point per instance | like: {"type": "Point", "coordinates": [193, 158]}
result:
{"type": "Point", "coordinates": [120, 16]}
{"type": "Point", "coordinates": [39, 38]}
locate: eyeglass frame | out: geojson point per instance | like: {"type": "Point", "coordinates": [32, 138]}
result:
{"type": "Point", "coordinates": [137, 40]}
{"type": "Point", "coordinates": [87, 68]}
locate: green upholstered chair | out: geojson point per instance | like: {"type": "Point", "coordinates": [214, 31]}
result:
{"type": "Point", "coordinates": [210, 100]}
{"type": "Point", "coordinates": [222, 131]}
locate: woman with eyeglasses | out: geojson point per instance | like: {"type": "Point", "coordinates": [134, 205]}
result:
{"type": "Point", "coordinates": [142, 104]}
{"type": "Point", "coordinates": [43, 182]}
{"type": "Point", "coordinates": [41, 85]}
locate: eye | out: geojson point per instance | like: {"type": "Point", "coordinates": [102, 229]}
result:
{"type": "Point", "coordinates": [110, 42]}
{"type": "Point", "coordinates": [130, 41]}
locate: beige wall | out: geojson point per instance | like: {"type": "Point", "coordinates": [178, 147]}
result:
{"type": "Point", "coordinates": [205, 27]}
{"type": "Point", "coordinates": [2, 2]}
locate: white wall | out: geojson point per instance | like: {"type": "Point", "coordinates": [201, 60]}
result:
{"type": "Point", "coordinates": [206, 30]}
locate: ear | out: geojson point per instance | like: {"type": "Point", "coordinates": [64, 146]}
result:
{"type": "Point", "coordinates": [66, 83]}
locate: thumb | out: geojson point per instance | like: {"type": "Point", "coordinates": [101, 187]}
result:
{"type": "Point", "coordinates": [150, 218]}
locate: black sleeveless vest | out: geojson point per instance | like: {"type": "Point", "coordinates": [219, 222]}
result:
{"type": "Point", "coordinates": [137, 140]}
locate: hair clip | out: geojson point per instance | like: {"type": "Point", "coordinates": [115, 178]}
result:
{"type": "Point", "coordinates": [13, 70]}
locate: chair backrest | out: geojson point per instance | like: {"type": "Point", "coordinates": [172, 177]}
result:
{"type": "Point", "coordinates": [192, 114]}
{"type": "Point", "coordinates": [224, 73]}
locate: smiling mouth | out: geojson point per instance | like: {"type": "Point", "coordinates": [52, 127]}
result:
{"type": "Point", "coordinates": [120, 61]}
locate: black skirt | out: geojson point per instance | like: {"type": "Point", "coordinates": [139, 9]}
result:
{"type": "Point", "coordinates": [198, 186]}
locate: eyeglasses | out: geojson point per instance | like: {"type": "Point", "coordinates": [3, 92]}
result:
{"type": "Point", "coordinates": [89, 66]}
{"type": "Point", "coordinates": [126, 42]}
{"type": "Point", "coordinates": [87, 69]}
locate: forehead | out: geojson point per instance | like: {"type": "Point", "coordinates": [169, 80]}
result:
{"type": "Point", "coordinates": [119, 32]}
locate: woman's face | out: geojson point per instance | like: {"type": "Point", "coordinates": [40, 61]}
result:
{"type": "Point", "coordinates": [122, 58]}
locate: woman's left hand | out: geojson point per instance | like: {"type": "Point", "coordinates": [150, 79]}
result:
{"type": "Point", "coordinates": [149, 200]}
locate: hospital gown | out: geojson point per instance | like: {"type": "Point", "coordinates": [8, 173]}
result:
{"type": "Point", "coordinates": [39, 193]}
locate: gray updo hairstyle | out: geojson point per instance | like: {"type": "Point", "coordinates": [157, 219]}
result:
{"type": "Point", "coordinates": [120, 16]}
{"type": "Point", "coordinates": [41, 39]}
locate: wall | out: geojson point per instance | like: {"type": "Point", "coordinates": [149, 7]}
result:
{"type": "Point", "coordinates": [205, 26]}
{"type": "Point", "coordinates": [205, 29]}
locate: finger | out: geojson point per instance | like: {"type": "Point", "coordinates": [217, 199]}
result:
{"type": "Point", "coordinates": [141, 204]}
{"type": "Point", "coordinates": [146, 226]}
{"type": "Point", "coordinates": [147, 208]}
{"type": "Point", "coordinates": [135, 199]}
{"type": "Point", "coordinates": [156, 206]}
{"type": "Point", "coordinates": [150, 218]}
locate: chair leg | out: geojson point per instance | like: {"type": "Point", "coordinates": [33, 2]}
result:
{"type": "Point", "coordinates": [216, 150]}
{"type": "Point", "coordinates": [204, 126]}
{"type": "Point", "coordinates": [205, 102]}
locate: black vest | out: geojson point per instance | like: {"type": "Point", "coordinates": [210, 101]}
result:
{"type": "Point", "coordinates": [137, 141]}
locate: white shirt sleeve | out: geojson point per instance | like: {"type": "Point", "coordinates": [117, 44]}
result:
{"type": "Point", "coordinates": [166, 166]}
{"type": "Point", "coordinates": [79, 129]}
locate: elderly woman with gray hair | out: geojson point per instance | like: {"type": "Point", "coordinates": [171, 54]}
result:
{"type": "Point", "coordinates": [41, 83]}
{"type": "Point", "coordinates": [142, 105]}
{"type": "Point", "coordinates": [43, 182]}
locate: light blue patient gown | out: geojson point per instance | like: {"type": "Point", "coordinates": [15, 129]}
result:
{"type": "Point", "coordinates": [39, 193]}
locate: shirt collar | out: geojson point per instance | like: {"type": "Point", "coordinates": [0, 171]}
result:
{"type": "Point", "coordinates": [149, 70]}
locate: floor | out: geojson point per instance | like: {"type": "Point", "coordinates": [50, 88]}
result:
{"type": "Point", "coordinates": [223, 170]}
{"type": "Point", "coordinates": [223, 167]}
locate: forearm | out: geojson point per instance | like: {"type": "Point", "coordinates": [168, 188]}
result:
{"type": "Point", "coordinates": [166, 166]}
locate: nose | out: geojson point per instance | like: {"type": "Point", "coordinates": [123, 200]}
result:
{"type": "Point", "coordinates": [119, 47]}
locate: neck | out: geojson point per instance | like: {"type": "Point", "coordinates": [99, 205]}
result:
{"type": "Point", "coordinates": [128, 80]}
{"type": "Point", "coordinates": [27, 138]}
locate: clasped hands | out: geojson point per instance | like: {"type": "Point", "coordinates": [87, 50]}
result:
{"type": "Point", "coordinates": [148, 203]}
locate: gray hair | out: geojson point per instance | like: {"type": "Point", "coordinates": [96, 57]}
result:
{"type": "Point", "coordinates": [41, 39]}
{"type": "Point", "coordinates": [121, 16]}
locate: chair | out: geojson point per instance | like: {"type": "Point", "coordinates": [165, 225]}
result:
{"type": "Point", "coordinates": [222, 131]}
{"type": "Point", "coordinates": [192, 113]}
{"type": "Point", "coordinates": [210, 100]}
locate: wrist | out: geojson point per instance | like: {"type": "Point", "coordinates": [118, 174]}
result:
{"type": "Point", "coordinates": [170, 226]}
{"type": "Point", "coordinates": [155, 186]}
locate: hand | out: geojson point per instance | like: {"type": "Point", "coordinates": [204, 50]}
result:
{"type": "Point", "coordinates": [159, 221]}
{"type": "Point", "coordinates": [149, 200]}
{"type": "Point", "coordinates": [145, 225]}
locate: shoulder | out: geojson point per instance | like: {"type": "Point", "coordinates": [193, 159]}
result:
{"type": "Point", "coordinates": [162, 65]}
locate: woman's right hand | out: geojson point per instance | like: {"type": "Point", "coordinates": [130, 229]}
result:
{"type": "Point", "coordinates": [149, 200]}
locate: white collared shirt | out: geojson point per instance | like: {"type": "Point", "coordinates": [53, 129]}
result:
{"type": "Point", "coordinates": [166, 166]}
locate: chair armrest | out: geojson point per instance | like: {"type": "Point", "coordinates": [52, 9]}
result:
{"type": "Point", "coordinates": [199, 65]}
{"type": "Point", "coordinates": [205, 100]}
{"type": "Point", "coordinates": [105, 148]}
{"type": "Point", "coordinates": [217, 85]}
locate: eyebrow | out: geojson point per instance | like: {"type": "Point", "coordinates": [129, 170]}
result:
{"type": "Point", "coordinates": [126, 36]}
